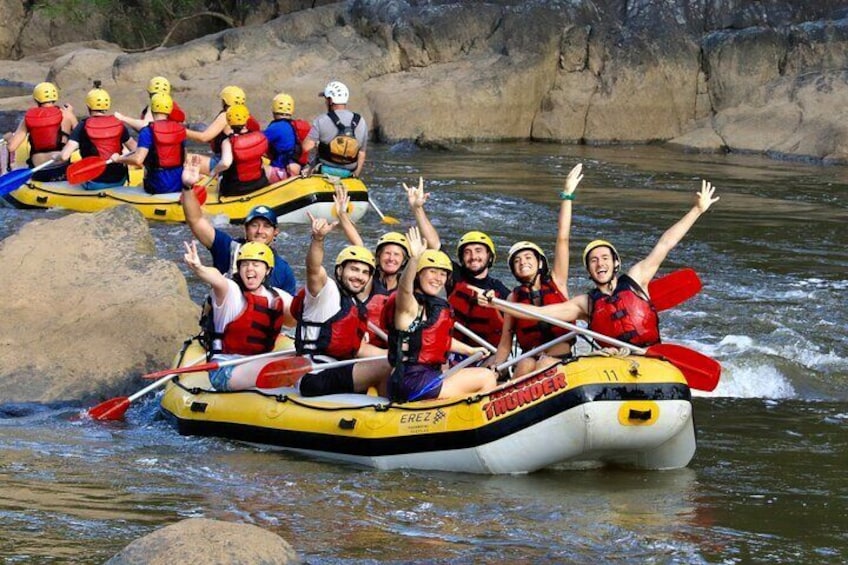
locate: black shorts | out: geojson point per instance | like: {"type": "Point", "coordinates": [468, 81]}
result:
{"type": "Point", "coordinates": [328, 381]}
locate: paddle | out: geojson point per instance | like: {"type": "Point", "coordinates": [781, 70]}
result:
{"type": "Point", "coordinates": [509, 363]}
{"type": "Point", "coordinates": [674, 288]}
{"type": "Point", "coordinates": [384, 218]}
{"type": "Point", "coordinates": [474, 337]}
{"type": "Point", "coordinates": [286, 372]}
{"type": "Point", "coordinates": [701, 372]}
{"type": "Point", "coordinates": [14, 179]}
{"type": "Point", "coordinates": [212, 365]}
{"type": "Point", "coordinates": [438, 380]}
{"type": "Point", "coordinates": [115, 408]}
{"type": "Point", "coordinates": [86, 169]}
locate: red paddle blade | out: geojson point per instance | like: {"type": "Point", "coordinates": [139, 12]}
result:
{"type": "Point", "coordinates": [701, 372]}
{"type": "Point", "coordinates": [199, 192]}
{"type": "Point", "coordinates": [283, 372]}
{"type": "Point", "coordinates": [86, 169]}
{"type": "Point", "coordinates": [112, 409]}
{"type": "Point", "coordinates": [674, 288]}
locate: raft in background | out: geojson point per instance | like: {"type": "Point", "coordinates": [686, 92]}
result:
{"type": "Point", "coordinates": [291, 199]}
{"type": "Point", "coordinates": [634, 412]}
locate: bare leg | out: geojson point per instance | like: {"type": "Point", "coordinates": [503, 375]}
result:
{"type": "Point", "coordinates": [468, 381]}
{"type": "Point", "coordinates": [371, 373]}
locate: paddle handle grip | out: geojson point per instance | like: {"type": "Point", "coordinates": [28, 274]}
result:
{"type": "Point", "coordinates": [474, 337]}
{"type": "Point", "coordinates": [334, 364]}
{"type": "Point", "coordinates": [566, 325]}
{"type": "Point", "coordinates": [378, 331]}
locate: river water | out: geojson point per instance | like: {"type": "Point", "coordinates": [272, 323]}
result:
{"type": "Point", "coordinates": [767, 484]}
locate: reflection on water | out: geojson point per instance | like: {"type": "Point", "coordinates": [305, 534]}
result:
{"type": "Point", "coordinates": [772, 255]}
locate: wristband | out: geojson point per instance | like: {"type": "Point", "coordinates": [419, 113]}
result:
{"type": "Point", "coordinates": [566, 196]}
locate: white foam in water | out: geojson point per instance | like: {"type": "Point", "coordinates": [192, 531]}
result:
{"type": "Point", "coordinates": [220, 220]}
{"type": "Point", "coordinates": [761, 381]}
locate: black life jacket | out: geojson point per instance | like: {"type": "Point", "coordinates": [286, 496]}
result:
{"type": "Point", "coordinates": [427, 341]}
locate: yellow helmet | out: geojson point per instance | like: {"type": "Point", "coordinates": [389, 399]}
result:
{"type": "Point", "coordinates": [476, 237]}
{"type": "Point", "coordinates": [432, 258]}
{"type": "Point", "coordinates": [159, 84]}
{"type": "Point", "coordinates": [45, 92]}
{"type": "Point", "coordinates": [232, 95]}
{"type": "Point", "coordinates": [392, 237]}
{"type": "Point", "coordinates": [356, 253]}
{"type": "Point", "coordinates": [237, 115]}
{"type": "Point", "coordinates": [161, 103]}
{"type": "Point", "coordinates": [255, 251]}
{"type": "Point", "coordinates": [594, 245]}
{"type": "Point", "coordinates": [97, 98]}
{"type": "Point", "coordinates": [524, 246]}
{"type": "Point", "coordinates": [282, 104]}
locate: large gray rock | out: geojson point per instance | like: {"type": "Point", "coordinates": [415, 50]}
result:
{"type": "Point", "coordinates": [86, 307]}
{"type": "Point", "coordinates": [211, 542]}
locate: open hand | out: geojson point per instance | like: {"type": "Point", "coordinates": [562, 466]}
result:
{"type": "Point", "coordinates": [573, 179]}
{"type": "Point", "coordinates": [417, 244]}
{"type": "Point", "coordinates": [341, 200]}
{"type": "Point", "coordinates": [705, 196]}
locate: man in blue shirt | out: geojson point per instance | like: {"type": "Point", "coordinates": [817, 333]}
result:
{"type": "Point", "coordinates": [259, 225]}
{"type": "Point", "coordinates": [161, 149]}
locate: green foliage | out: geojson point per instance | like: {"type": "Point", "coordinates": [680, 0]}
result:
{"type": "Point", "coordinates": [145, 23]}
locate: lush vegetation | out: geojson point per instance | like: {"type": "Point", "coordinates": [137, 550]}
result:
{"type": "Point", "coordinates": [145, 24]}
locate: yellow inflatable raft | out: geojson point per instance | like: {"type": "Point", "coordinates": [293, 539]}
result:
{"type": "Point", "coordinates": [633, 412]}
{"type": "Point", "coordinates": [291, 199]}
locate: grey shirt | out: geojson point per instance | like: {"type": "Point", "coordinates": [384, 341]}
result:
{"type": "Point", "coordinates": [324, 130]}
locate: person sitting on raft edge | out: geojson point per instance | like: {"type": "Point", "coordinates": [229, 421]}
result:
{"type": "Point", "coordinates": [619, 306]}
{"type": "Point", "coordinates": [247, 313]}
{"type": "Point", "coordinates": [540, 283]}
{"type": "Point", "coordinates": [332, 321]}
{"type": "Point", "coordinates": [420, 332]}
{"type": "Point", "coordinates": [340, 135]}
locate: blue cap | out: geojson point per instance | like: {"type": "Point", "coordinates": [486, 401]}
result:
{"type": "Point", "coordinates": [262, 212]}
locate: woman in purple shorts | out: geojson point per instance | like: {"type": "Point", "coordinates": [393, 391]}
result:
{"type": "Point", "coordinates": [420, 326]}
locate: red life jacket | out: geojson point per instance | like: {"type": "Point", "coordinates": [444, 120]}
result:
{"type": "Point", "coordinates": [215, 144]}
{"type": "Point", "coordinates": [248, 149]}
{"type": "Point", "coordinates": [105, 133]}
{"type": "Point", "coordinates": [625, 315]}
{"type": "Point", "coordinates": [44, 124]}
{"type": "Point", "coordinates": [485, 322]}
{"type": "Point", "coordinates": [301, 131]}
{"type": "Point", "coordinates": [532, 333]}
{"type": "Point", "coordinates": [256, 328]}
{"type": "Point", "coordinates": [168, 151]}
{"type": "Point", "coordinates": [375, 305]}
{"type": "Point", "coordinates": [340, 336]}
{"type": "Point", "coordinates": [426, 342]}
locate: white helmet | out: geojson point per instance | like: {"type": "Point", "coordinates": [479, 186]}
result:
{"type": "Point", "coordinates": [337, 92]}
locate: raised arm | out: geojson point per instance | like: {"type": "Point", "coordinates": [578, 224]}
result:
{"type": "Point", "coordinates": [406, 306]}
{"type": "Point", "coordinates": [559, 270]}
{"type": "Point", "coordinates": [199, 225]}
{"type": "Point", "coordinates": [341, 201]}
{"type": "Point", "coordinates": [316, 275]}
{"type": "Point", "coordinates": [643, 271]}
{"type": "Point", "coordinates": [417, 198]}
{"type": "Point", "coordinates": [209, 275]}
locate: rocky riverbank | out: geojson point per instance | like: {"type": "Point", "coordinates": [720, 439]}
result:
{"type": "Point", "coordinates": [718, 75]}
